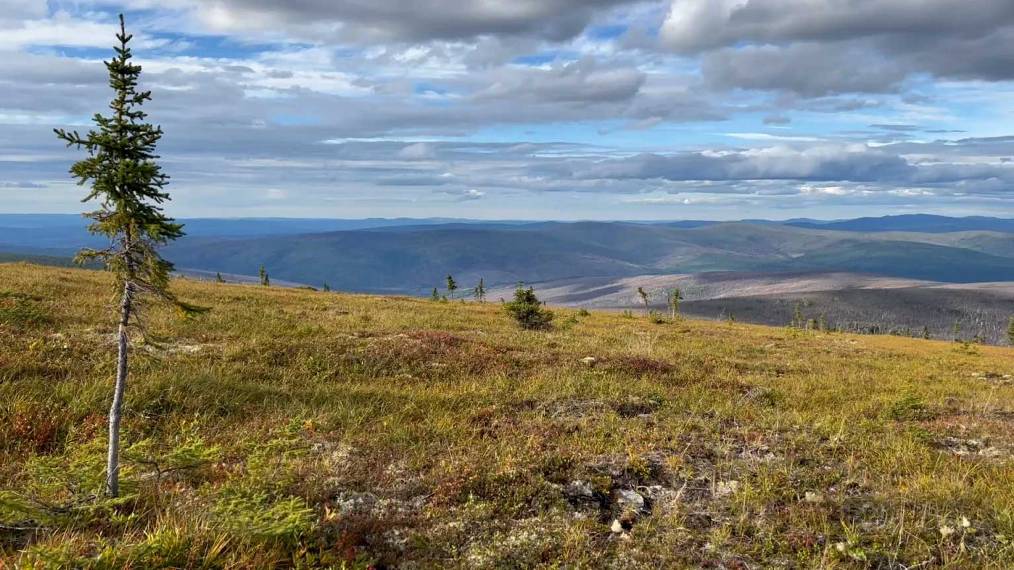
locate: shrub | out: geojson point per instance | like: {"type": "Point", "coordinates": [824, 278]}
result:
{"type": "Point", "coordinates": [258, 516]}
{"type": "Point", "coordinates": [528, 311]}
{"type": "Point", "coordinates": [20, 311]}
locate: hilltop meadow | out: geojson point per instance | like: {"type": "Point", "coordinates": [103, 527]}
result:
{"type": "Point", "coordinates": [289, 428]}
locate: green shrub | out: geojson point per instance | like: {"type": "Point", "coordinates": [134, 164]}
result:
{"type": "Point", "coordinates": [20, 311]}
{"type": "Point", "coordinates": [528, 311]}
{"type": "Point", "coordinates": [257, 516]}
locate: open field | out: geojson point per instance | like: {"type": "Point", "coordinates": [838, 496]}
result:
{"type": "Point", "coordinates": [290, 428]}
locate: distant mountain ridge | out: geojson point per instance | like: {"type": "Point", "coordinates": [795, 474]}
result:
{"type": "Point", "coordinates": [925, 223]}
{"type": "Point", "coordinates": [412, 255]}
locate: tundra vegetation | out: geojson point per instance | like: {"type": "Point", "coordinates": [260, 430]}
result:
{"type": "Point", "coordinates": [287, 428]}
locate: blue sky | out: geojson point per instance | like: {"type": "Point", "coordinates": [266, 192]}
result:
{"type": "Point", "coordinates": [562, 109]}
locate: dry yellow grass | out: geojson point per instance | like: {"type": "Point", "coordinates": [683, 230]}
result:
{"type": "Point", "coordinates": [291, 428]}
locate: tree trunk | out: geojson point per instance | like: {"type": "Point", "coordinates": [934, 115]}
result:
{"type": "Point", "coordinates": [115, 411]}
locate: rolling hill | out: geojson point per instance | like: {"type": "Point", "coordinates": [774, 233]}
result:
{"type": "Point", "coordinates": [415, 259]}
{"type": "Point", "coordinates": [590, 263]}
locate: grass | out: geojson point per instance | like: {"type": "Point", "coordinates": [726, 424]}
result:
{"type": "Point", "coordinates": [303, 429]}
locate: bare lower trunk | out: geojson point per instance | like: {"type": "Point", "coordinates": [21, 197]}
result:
{"type": "Point", "coordinates": [115, 411]}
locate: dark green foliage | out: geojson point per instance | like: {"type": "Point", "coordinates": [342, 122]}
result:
{"type": "Point", "coordinates": [644, 298]}
{"type": "Point", "coordinates": [218, 278]}
{"type": "Point", "coordinates": [128, 183]}
{"type": "Point", "coordinates": [528, 311]}
{"type": "Point", "coordinates": [452, 286]}
{"type": "Point", "coordinates": [327, 288]}
{"type": "Point", "coordinates": [20, 311]}
{"type": "Point", "coordinates": [265, 278]}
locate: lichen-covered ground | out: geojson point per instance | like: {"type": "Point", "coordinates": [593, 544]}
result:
{"type": "Point", "coordinates": [291, 428]}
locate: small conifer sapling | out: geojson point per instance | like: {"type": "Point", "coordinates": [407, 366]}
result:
{"type": "Point", "coordinates": [527, 310]}
{"type": "Point", "coordinates": [452, 286]}
{"type": "Point", "coordinates": [480, 291]}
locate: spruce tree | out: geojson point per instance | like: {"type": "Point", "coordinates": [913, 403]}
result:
{"type": "Point", "coordinates": [218, 278]}
{"type": "Point", "coordinates": [327, 288]}
{"type": "Point", "coordinates": [265, 278]}
{"type": "Point", "coordinates": [644, 298]}
{"type": "Point", "coordinates": [452, 286]}
{"type": "Point", "coordinates": [480, 291]}
{"type": "Point", "coordinates": [436, 295]}
{"type": "Point", "coordinates": [527, 310]}
{"type": "Point", "coordinates": [129, 185]}
{"type": "Point", "coordinates": [673, 299]}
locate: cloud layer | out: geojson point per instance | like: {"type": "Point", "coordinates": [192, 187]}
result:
{"type": "Point", "coordinates": [549, 108]}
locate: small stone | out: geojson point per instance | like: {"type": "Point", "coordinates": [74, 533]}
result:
{"type": "Point", "coordinates": [589, 361]}
{"type": "Point", "coordinates": [726, 488]}
{"type": "Point", "coordinates": [616, 527]}
{"type": "Point", "coordinates": [811, 497]}
{"type": "Point", "coordinates": [946, 531]}
{"type": "Point", "coordinates": [579, 490]}
{"type": "Point", "coordinates": [630, 500]}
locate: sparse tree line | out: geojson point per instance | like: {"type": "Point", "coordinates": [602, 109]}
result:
{"type": "Point", "coordinates": [984, 327]}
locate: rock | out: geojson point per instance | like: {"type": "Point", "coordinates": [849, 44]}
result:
{"type": "Point", "coordinates": [356, 503]}
{"type": "Point", "coordinates": [629, 500]}
{"type": "Point", "coordinates": [616, 527]}
{"type": "Point", "coordinates": [811, 497]}
{"type": "Point", "coordinates": [579, 492]}
{"type": "Point", "coordinates": [726, 488]}
{"type": "Point", "coordinates": [589, 361]}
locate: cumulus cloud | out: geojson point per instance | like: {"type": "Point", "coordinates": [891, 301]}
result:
{"type": "Point", "coordinates": [396, 20]}
{"type": "Point", "coordinates": [816, 47]}
{"type": "Point", "coordinates": [317, 104]}
{"type": "Point", "coordinates": [575, 82]}
{"type": "Point", "coordinates": [818, 163]}
{"type": "Point", "coordinates": [697, 25]}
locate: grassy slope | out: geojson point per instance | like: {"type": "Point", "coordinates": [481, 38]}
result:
{"type": "Point", "coordinates": [289, 427]}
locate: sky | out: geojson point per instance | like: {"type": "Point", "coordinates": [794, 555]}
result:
{"type": "Point", "coordinates": [529, 109]}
